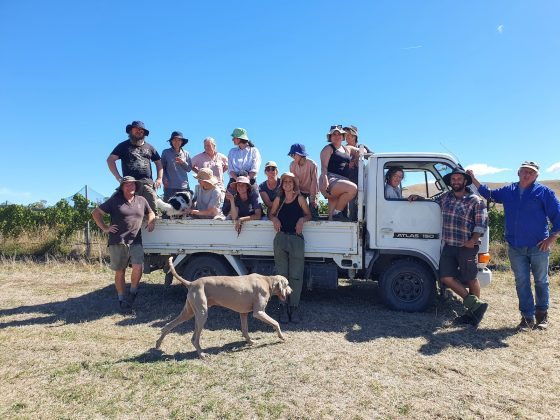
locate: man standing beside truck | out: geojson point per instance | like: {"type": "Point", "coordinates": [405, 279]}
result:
{"type": "Point", "coordinates": [528, 208]}
{"type": "Point", "coordinates": [464, 221]}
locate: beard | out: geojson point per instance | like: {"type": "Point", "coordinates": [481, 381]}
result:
{"type": "Point", "coordinates": [136, 139]}
{"type": "Point", "coordinates": [458, 188]}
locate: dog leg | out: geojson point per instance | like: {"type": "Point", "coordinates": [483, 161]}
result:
{"type": "Point", "coordinates": [245, 328]}
{"type": "Point", "coordinates": [201, 315]}
{"type": "Point", "coordinates": [261, 314]}
{"type": "Point", "coordinates": [186, 314]}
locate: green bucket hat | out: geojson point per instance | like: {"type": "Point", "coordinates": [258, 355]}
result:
{"type": "Point", "coordinates": [240, 133]}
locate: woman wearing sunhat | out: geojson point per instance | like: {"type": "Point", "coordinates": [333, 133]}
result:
{"type": "Point", "coordinates": [244, 204]}
{"type": "Point", "coordinates": [208, 196]}
{"type": "Point", "coordinates": [269, 188]}
{"type": "Point", "coordinates": [176, 166]}
{"type": "Point", "coordinates": [244, 159]}
{"type": "Point", "coordinates": [288, 214]}
{"type": "Point", "coordinates": [335, 171]}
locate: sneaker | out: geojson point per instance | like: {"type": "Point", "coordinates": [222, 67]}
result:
{"type": "Point", "coordinates": [478, 314]}
{"type": "Point", "coordinates": [340, 217]}
{"type": "Point", "coordinates": [466, 318]}
{"type": "Point", "coordinates": [526, 324]}
{"type": "Point", "coordinates": [541, 320]}
{"type": "Point", "coordinates": [295, 315]}
{"type": "Point", "coordinates": [284, 317]}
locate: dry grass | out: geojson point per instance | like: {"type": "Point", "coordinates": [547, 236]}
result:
{"type": "Point", "coordinates": [67, 354]}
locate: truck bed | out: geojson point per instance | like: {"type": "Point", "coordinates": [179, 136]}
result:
{"type": "Point", "coordinates": [323, 239]}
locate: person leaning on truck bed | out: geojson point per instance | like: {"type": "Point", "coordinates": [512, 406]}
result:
{"type": "Point", "coordinates": [127, 211]}
{"type": "Point", "coordinates": [136, 156]}
{"type": "Point", "coordinates": [334, 182]}
{"type": "Point", "coordinates": [212, 159]}
{"type": "Point", "coordinates": [288, 214]}
{"type": "Point", "coordinates": [244, 205]}
{"type": "Point", "coordinates": [528, 208]}
{"type": "Point", "coordinates": [464, 221]}
{"type": "Point", "coordinates": [176, 164]}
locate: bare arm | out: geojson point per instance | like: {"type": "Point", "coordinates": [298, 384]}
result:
{"type": "Point", "coordinates": [111, 163]}
{"type": "Point", "coordinates": [475, 181]}
{"type": "Point", "coordinates": [265, 199]}
{"type": "Point", "coordinates": [97, 215]}
{"type": "Point", "coordinates": [306, 214]}
{"type": "Point", "coordinates": [324, 180]}
{"type": "Point", "coordinates": [159, 168]}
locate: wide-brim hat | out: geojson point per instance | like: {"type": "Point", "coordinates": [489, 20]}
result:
{"type": "Point", "coordinates": [241, 180]}
{"type": "Point", "coordinates": [292, 176]}
{"type": "Point", "coordinates": [137, 124]}
{"type": "Point", "coordinates": [297, 149]}
{"type": "Point", "coordinates": [333, 129]}
{"type": "Point", "coordinates": [206, 175]}
{"type": "Point", "coordinates": [129, 179]}
{"type": "Point", "coordinates": [179, 135]}
{"type": "Point", "coordinates": [352, 129]}
{"type": "Point", "coordinates": [447, 178]}
{"type": "Point", "coordinates": [240, 133]}
{"type": "Point", "coordinates": [270, 163]}
{"type": "Point", "coordinates": [530, 165]}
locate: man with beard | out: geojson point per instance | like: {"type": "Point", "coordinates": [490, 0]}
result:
{"type": "Point", "coordinates": [464, 221]}
{"type": "Point", "coordinates": [136, 156]}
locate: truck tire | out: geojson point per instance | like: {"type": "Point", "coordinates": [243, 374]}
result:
{"type": "Point", "coordinates": [407, 286]}
{"type": "Point", "coordinates": [205, 265]}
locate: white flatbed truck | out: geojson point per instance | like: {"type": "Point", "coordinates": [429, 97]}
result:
{"type": "Point", "coordinates": [394, 242]}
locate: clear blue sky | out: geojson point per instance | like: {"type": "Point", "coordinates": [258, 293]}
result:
{"type": "Point", "coordinates": [478, 78]}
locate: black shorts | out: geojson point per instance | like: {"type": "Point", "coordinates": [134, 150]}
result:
{"type": "Point", "coordinates": [459, 262]}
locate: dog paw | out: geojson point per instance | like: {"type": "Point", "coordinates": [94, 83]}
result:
{"type": "Point", "coordinates": [202, 355]}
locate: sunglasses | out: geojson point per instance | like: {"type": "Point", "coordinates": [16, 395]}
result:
{"type": "Point", "coordinates": [336, 127]}
{"type": "Point", "coordinates": [270, 168]}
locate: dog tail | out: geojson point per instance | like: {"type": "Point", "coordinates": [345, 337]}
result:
{"type": "Point", "coordinates": [185, 283]}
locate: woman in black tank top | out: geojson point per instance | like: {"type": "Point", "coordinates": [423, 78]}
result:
{"type": "Point", "coordinates": [335, 170]}
{"type": "Point", "coordinates": [288, 214]}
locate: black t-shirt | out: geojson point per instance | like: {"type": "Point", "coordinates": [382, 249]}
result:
{"type": "Point", "coordinates": [136, 160]}
{"type": "Point", "coordinates": [127, 216]}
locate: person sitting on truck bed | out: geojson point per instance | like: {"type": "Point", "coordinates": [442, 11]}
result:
{"type": "Point", "coordinates": [288, 214]}
{"type": "Point", "coordinates": [351, 138]}
{"type": "Point", "coordinates": [464, 221]}
{"type": "Point", "coordinates": [244, 157]}
{"type": "Point", "coordinates": [244, 205]}
{"type": "Point", "coordinates": [305, 171]}
{"type": "Point", "coordinates": [393, 179]}
{"type": "Point", "coordinates": [269, 188]}
{"type": "Point", "coordinates": [208, 196]}
{"type": "Point", "coordinates": [335, 170]}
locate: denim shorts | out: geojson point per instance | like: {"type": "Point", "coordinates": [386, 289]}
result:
{"type": "Point", "coordinates": [459, 262]}
{"type": "Point", "coordinates": [121, 254]}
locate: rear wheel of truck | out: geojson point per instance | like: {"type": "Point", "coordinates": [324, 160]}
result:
{"type": "Point", "coordinates": [407, 286]}
{"type": "Point", "coordinates": [205, 265]}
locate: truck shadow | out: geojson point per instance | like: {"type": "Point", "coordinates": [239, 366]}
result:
{"type": "Point", "coordinates": [356, 311]}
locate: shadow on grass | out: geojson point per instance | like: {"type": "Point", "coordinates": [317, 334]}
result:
{"type": "Point", "coordinates": [355, 311]}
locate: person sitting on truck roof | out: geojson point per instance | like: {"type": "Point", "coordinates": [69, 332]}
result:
{"type": "Point", "coordinates": [464, 221]}
{"type": "Point", "coordinates": [305, 171]}
{"type": "Point", "coordinates": [244, 157]}
{"type": "Point", "coordinates": [288, 214]}
{"type": "Point", "coordinates": [334, 182]}
{"type": "Point", "coordinates": [393, 179]}
{"type": "Point", "coordinates": [244, 204]}
{"type": "Point", "coordinates": [208, 196]}
{"type": "Point", "coordinates": [212, 159]}
{"type": "Point", "coordinates": [269, 188]}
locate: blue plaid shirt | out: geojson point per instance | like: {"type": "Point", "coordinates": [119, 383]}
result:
{"type": "Point", "coordinates": [462, 217]}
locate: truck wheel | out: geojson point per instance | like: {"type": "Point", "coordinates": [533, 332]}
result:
{"type": "Point", "coordinates": [407, 286]}
{"type": "Point", "coordinates": [205, 265]}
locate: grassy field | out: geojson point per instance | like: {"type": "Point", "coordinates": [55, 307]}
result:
{"type": "Point", "coordinates": [66, 353]}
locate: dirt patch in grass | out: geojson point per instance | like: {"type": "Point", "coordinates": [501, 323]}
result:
{"type": "Point", "coordinates": [66, 352]}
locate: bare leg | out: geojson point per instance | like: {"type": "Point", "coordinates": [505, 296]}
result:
{"type": "Point", "coordinates": [456, 286]}
{"type": "Point", "coordinates": [119, 281]}
{"type": "Point", "coordinates": [136, 275]}
{"type": "Point", "coordinates": [344, 191]}
{"type": "Point", "coordinates": [474, 288]}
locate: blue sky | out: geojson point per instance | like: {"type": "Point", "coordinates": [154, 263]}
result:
{"type": "Point", "coordinates": [479, 79]}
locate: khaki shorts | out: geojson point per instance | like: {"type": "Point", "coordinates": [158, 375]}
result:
{"type": "Point", "coordinates": [121, 254]}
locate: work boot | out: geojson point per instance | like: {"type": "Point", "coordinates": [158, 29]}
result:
{"type": "Point", "coordinates": [295, 315]}
{"type": "Point", "coordinates": [284, 316]}
{"type": "Point", "coordinates": [541, 320]}
{"type": "Point", "coordinates": [526, 324]}
{"type": "Point", "coordinates": [340, 217]}
{"type": "Point", "coordinates": [466, 318]}
{"type": "Point", "coordinates": [478, 314]}
{"type": "Point", "coordinates": [125, 307]}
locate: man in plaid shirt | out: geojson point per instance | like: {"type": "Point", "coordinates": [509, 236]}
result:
{"type": "Point", "coordinates": [464, 221]}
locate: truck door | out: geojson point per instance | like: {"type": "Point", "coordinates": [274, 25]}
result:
{"type": "Point", "coordinates": [406, 226]}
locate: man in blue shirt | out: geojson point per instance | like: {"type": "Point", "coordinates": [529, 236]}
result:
{"type": "Point", "coordinates": [528, 208]}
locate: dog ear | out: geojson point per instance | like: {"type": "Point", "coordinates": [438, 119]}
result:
{"type": "Point", "coordinates": [175, 203]}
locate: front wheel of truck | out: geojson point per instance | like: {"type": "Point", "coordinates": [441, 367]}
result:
{"type": "Point", "coordinates": [407, 286]}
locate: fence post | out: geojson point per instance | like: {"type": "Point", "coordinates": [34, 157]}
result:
{"type": "Point", "coordinates": [87, 231]}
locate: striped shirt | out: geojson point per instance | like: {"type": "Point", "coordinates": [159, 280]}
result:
{"type": "Point", "coordinates": [462, 217]}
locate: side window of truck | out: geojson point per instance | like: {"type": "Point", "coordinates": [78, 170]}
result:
{"type": "Point", "coordinates": [420, 178]}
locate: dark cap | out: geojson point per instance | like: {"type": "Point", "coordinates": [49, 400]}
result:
{"type": "Point", "coordinates": [179, 135]}
{"type": "Point", "coordinates": [137, 124]}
